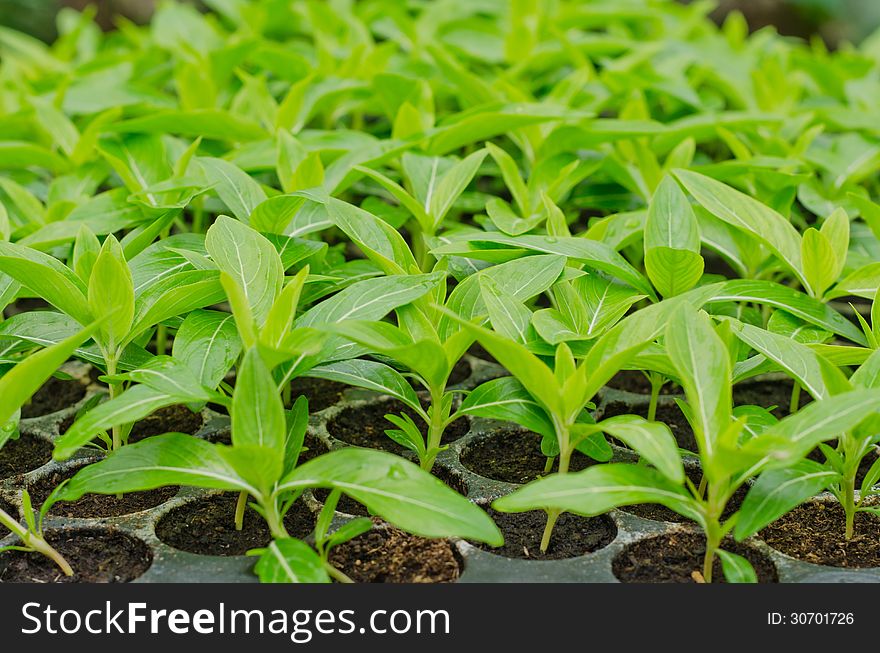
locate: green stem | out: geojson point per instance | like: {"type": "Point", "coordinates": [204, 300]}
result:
{"type": "Point", "coordinates": [286, 393]}
{"type": "Point", "coordinates": [420, 251]}
{"type": "Point", "coordinates": [336, 574]}
{"type": "Point", "coordinates": [38, 544]}
{"type": "Point", "coordinates": [240, 507]}
{"type": "Point", "coordinates": [564, 459]}
{"type": "Point", "coordinates": [548, 466]}
{"type": "Point", "coordinates": [849, 503]}
{"type": "Point", "coordinates": [274, 520]}
{"type": "Point", "coordinates": [161, 339]}
{"type": "Point", "coordinates": [35, 542]}
{"type": "Point", "coordinates": [656, 384]}
{"type": "Point", "coordinates": [436, 426]}
{"type": "Point", "coordinates": [114, 389]}
{"type": "Point", "coordinates": [713, 541]}
{"type": "Point", "coordinates": [795, 401]}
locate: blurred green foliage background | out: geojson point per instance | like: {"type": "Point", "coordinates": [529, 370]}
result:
{"type": "Point", "coordinates": [834, 20]}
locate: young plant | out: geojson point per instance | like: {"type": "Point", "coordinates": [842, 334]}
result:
{"type": "Point", "coordinates": [429, 344]}
{"type": "Point", "coordinates": [844, 457]}
{"type": "Point", "coordinates": [99, 285]}
{"type": "Point", "coordinates": [263, 462]}
{"type": "Point", "coordinates": [16, 387]}
{"type": "Point", "coordinates": [731, 452]}
{"type": "Point", "coordinates": [554, 401]}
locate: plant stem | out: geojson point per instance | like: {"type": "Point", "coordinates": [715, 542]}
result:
{"type": "Point", "coordinates": [286, 393]}
{"type": "Point", "coordinates": [553, 515]}
{"type": "Point", "coordinates": [849, 503]}
{"type": "Point", "coordinates": [35, 542]}
{"type": "Point", "coordinates": [161, 339]}
{"type": "Point", "coordinates": [336, 574]}
{"type": "Point", "coordinates": [436, 426]}
{"type": "Point", "coordinates": [38, 544]}
{"type": "Point", "coordinates": [420, 251]}
{"type": "Point", "coordinates": [273, 519]}
{"type": "Point", "coordinates": [712, 544]}
{"type": "Point", "coordinates": [240, 507]}
{"type": "Point", "coordinates": [656, 384]}
{"type": "Point", "coordinates": [114, 389]}
{"type": "Point", "coordinates": [795, 401]}
{"type": "Point", "coordinates": [548, 466]}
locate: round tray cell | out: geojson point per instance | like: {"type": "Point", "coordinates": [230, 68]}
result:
{"type": "Point", "coordinates": [678, 558]}
{"type": "Point", "coordinates": [96, 555]}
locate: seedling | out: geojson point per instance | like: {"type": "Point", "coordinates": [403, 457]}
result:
{"type": "Point", "coordinates": [731, 452]}
{"type": "Point", "coordinates": [263, 462]}
{"type": "Point", "coordinates": [16, 387]}
{"type": "Point", "coordinates": [553, 401]}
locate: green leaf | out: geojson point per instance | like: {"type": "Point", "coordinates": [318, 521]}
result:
{"type": "Point", "coordinates": [736, 568]}
{"type": "Point", "coordinates": [795, 436]}
{"type": "Point", "coordinates": [208, 343]}
{"type": "Point", "coordinates": [170, 459]}
{"type": "Point", "coordinates": [509, 316]}
{"type": "Point", "coordinates": [653, 441]}
{"type": "Point", "coordinates": [289, 561]}
{"type": "Point", "coordinates": [534, 375]}
{"type": "Point", "coordinates": [47, 278]}
{"type": "Point", "coordinates": [370, 375]}
{"type": "Point", "coordinates": [507, 400]}
{"type": "Point", "coordinates": [398, 491]}
{"type": "Point", "coordinates": [111, 293]}
{"type": "Point", "coordinates": [672, 241]}
{"type": "Point", "coordinates": [250, 259]}
{"type": "Point", "coordinates": [452, 184]}
{"type": "Point", "coordinates": [594, 254]}
{"type": "Point", "coordinates": [208, 123]}
{"type": "Point", "coordinates": [819, 263]}
{"type": "Point", "coordinates": [779, 490]}
{"type": "Point", "coordinates": [703, 365]}
{"type": "Point", "coordinates": [522, 278]}
{"type": "Point", "coordinates": [598, 489]}
{"type": "Point", "coordinates": [776, 295]}
{"type": "Point", "coordinates": [257, 411]}
{"type": "Point", "coordinates": [237, 190]}
{"type": "Point", "coordinates": [22, 381]}
{"type": "Point", "coordinates": [749, 215]}
{"type": "Point", "coordinates": [135, 403]}
{"type": "Point", "coordinates": [810, 370]}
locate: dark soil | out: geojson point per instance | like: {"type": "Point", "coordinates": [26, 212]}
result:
{"type": "Point", "coordinates": [207, 526]}
{"type": "Point", "coordinates": [513, 456]}
{"type": "Point", "coordinates": [393, 556]}
{"type": "Point", "coordinates": [54, 395]}
{"type": "Point", "coordinates": [321, 393]}
{"type": "Point", "coordinates": [96, 505]}
{"type": "Point", "coordinates": [669, 415]}
{"type": "Point", "coordinates": [814, 532]}
{"type": "Point", "coordinates": [460, 372]}
{"type": "Point", "coordinates": [573, 535]}
{"type": "Point", "coordinates": [659, 512]}
{"type": "Point", "coordinates": [767, 394]}
{"type": "Point", "coordinates": [24, 455]}
{"type": "Point", "coordinates": [349, 506]}
{"type": "Point", "coordinates": [96, 556]}
{"type": "Point", "coordinates": [10, 510]}
{"type": "Point", "coordinates": [635, 382]}
{"type": "Point", "coordinates": [678, 558]}
{"type": "Point", "coordinates": [365, 426]}
{"type": "Point", "coordinates": [312, 446]}
{"type": "Point", "coordinates": [172, 419]}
